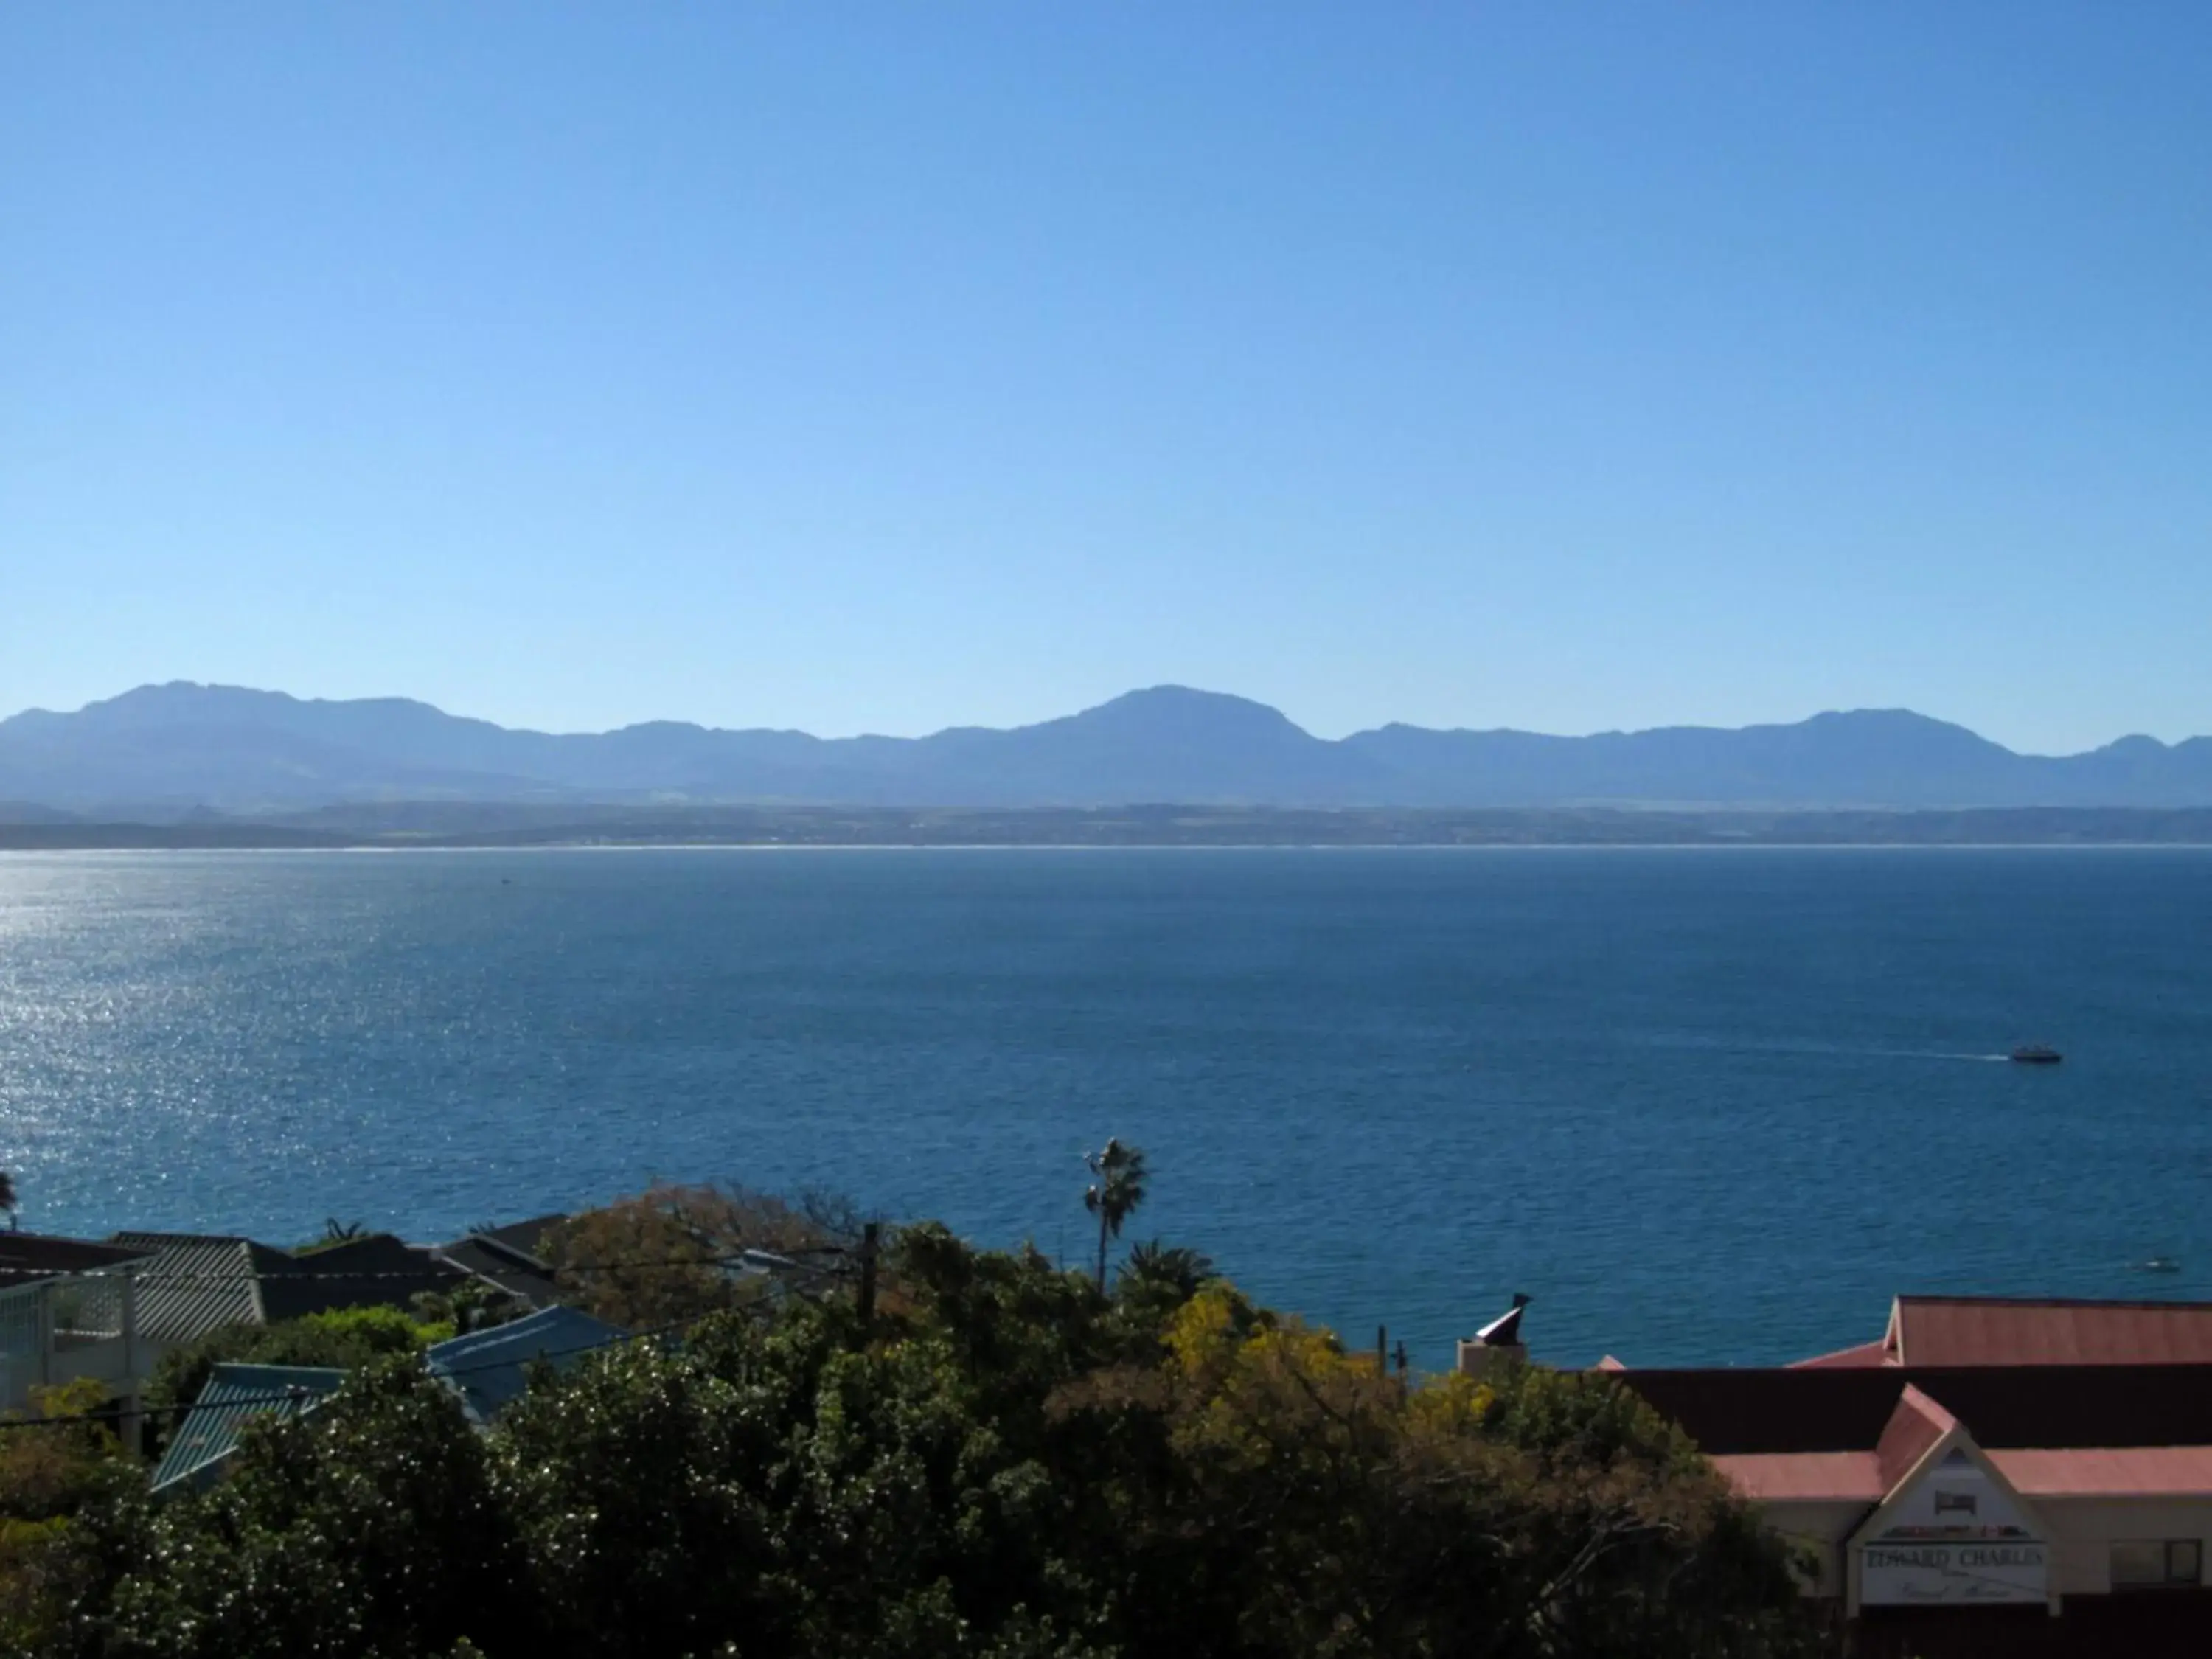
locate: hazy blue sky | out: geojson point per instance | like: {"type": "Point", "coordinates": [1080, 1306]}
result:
{"type": "Point", "coordinates": [884, 368]}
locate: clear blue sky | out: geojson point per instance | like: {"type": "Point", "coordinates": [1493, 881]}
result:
{"type": "Point", "coordinates": [859, 368]}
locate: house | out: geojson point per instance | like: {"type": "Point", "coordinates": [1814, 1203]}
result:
{"type": "Point", "coordinates": [507, 1257]}
{"type": "Point", "coordinates": [24, 1257]}
{"type": "Point", "coordinates": [1991, 1330]}
{"type": "Point", "coordinates": [1991, 1475]}
{"type": "Point", "coordinates": [201, 1451]}
{"type": "Point", "coordinates": [190, 1283]}
{"type": "Point", "coordinates": [109, 1309]}
{"type": "Point", "coordinates": [62, 1313]}
{"type": "Point", "coordinates": [487, 1370]}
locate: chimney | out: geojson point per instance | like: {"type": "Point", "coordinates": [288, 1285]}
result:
{"type": "Point", "coordinates": [1497, 1347]}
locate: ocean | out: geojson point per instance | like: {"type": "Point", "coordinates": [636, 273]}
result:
{"type": "Point", "coordinates": [1703, 1106]}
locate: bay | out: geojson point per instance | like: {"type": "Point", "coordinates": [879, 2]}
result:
{"type": "Point", "coordinates": [1703, 1105]}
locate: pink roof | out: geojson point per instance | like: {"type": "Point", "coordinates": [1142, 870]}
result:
{"type": "Point", "coordinates": [2132, 1472]}
{"type": "Point", "coordinates": [2096, 1472]}
{"type": "Point", "coordinates": [1805, 1477]}
{"type": "Point", "coordinates": [1938, 1331]}
{"type": "Point", "coordinates": [1865, 1354]}
{"type": "Point", "coordinates": [1916, 1423]}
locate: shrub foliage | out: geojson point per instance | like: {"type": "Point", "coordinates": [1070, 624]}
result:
{"type": "Point", "coordinates": [1010, 1464]}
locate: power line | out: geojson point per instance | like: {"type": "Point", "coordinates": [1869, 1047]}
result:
{"type": "Point", "coordinates": [436, 1268]}
{"type": "Point", "coordinates": [119, 1413]}
{"type": "Point", "coordinates": [292, 1394]}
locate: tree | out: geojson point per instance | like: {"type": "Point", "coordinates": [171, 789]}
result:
{"type": "Point", "coordinates": [335, 1233]}
{"type": "Point", "coordinates": [1310, 1504]}
{"type": "Point", "coordinates": [9, 1202]}
{"type": "Point", "coordinates": [71, 1515]}
{"type": "Point", "coordinates": [1178, 1267]}
{"type": "Point", "coordinates": [1114, 1195]}
{"type": "Point", "coordinates": [673, 1253]}
{"type": "Point", "coordinates": [1157, 1279]}
{"type": "Point", "coordinates": [474, 1304]}
{"type": "Point", "coordinates": [343, 1338]}
{"type": "Point", "coordinates": [366, 1529]}
{"type": "Point", "coordinates": [1005, 1463]}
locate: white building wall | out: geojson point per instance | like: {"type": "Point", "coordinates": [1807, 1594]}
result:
{"type": "Point", "coordinates": [2084, 1529]}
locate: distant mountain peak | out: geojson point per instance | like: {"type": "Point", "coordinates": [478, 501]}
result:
{"type": "Point", "coordinates": [1188, 706]}
{"type": "Point", "coordinates": [184, 744]}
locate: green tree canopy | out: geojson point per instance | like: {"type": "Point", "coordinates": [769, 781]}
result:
{"type": "Point", "coordinates": [1008, 1464]}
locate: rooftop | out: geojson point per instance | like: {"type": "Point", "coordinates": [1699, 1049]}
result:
{"type": "Point", "coordinates": [1738, 1412]}
{"type": "Point", "coordinates": [1932, 1330]}
{"type": "Point", "coordinates": [507, 1257]}
{"type": "Point", "coordinates": [234, 1396]}
{"type": "Point", "coordinates": [1996, 1330]}
{"type": "Point", "coordinates": [25, 1257]}
{"type": "Point", "coordinates": [490, 1370]}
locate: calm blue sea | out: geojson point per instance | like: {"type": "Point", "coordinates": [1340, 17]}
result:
{"type": "Point", "coordinates": [1703, 1105]}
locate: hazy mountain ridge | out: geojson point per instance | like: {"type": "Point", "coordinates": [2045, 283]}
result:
{"type": "Point", "coordinates": [233, 750]}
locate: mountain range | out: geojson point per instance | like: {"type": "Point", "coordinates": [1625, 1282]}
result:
{"type": "Point", "coordinates": [165, 751]}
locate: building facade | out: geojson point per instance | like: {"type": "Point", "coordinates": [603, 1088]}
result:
{"type": "Point", "coordinates": [1991, 1476]}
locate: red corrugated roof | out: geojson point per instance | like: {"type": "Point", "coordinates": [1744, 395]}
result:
{"type": "Point", "coordinates": [2132, 1472]}
{"type": "Point", "coordinates": [1865, 1354]}
{"type": "Point", "coordinates": [1805, 1477]}
{"type": "Point", "coordinates": [1916, 1423]}
{"type": "Point", "coordinates": [1856, 1477]}
{"type": "Point", "coordinates": [1950, 1331]}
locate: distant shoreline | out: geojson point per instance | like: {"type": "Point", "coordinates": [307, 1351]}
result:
{"type": "Point", "coordinates": [461, 827]}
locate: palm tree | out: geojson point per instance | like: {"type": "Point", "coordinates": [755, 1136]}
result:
{"type": "Point", "coordinates": [1114, 1195]}
{"type": "Point", "coordinates": [1176, 1268]}
{"type": "Point", "coordinates": [8, 1201]}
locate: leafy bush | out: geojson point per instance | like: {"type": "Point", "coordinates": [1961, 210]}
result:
{"type": "Point", "coordinates": [343, 1338]}
{"type": "Point", "coordinates": [71, 1515]}
{"type": "Point", "coordinates": [671, 1252]}
{"type": "Point", "coordinates": [367, 1528]}
{"type": "Point", "coordinates": [1009, 1464]}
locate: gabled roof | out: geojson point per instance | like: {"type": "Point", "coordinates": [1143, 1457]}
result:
{"type": "Point", "coordinates": [507, 1257]}
{"type": "Point", "coordinates": [190, 1283]}
{"type": "Point", "coordinates": [1855, 1435]}
{"type": "Point", "coordinates": [1915, 1424]}
{"type": "Point", "coordinates": [518, 1239]}
{"type": "Point", "coordinates": [1746, 1412]}
{"type": "Point", "coordinates": [26, 1256]}
{"type": "Point", "coordinates": [234, 1396]}
{"type": "Point", "coordinates": [376, 1271]}
{"type": "Point", "coordinates": [1981, 1330]}
{"type": "Point", "coordinates": [490, 1370]}
{"type": "Point", "coordinates": [534, 1286]}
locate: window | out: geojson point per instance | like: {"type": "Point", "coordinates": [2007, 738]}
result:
{"type": "Point", "coordinates": [2156, 1564]}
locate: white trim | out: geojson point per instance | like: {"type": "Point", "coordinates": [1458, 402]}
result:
{"type": "Point", "coordinates": [1954, 1438]}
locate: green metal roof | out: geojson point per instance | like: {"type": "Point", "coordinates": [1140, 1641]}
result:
{"type": "Point", "coordinates": [236, 1396]}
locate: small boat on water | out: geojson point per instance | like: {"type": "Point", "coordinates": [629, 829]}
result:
{"type": "Point", "coordinates": [2034, 1053]}
{"type": "Point", "coordinates": [2160, 1264]}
